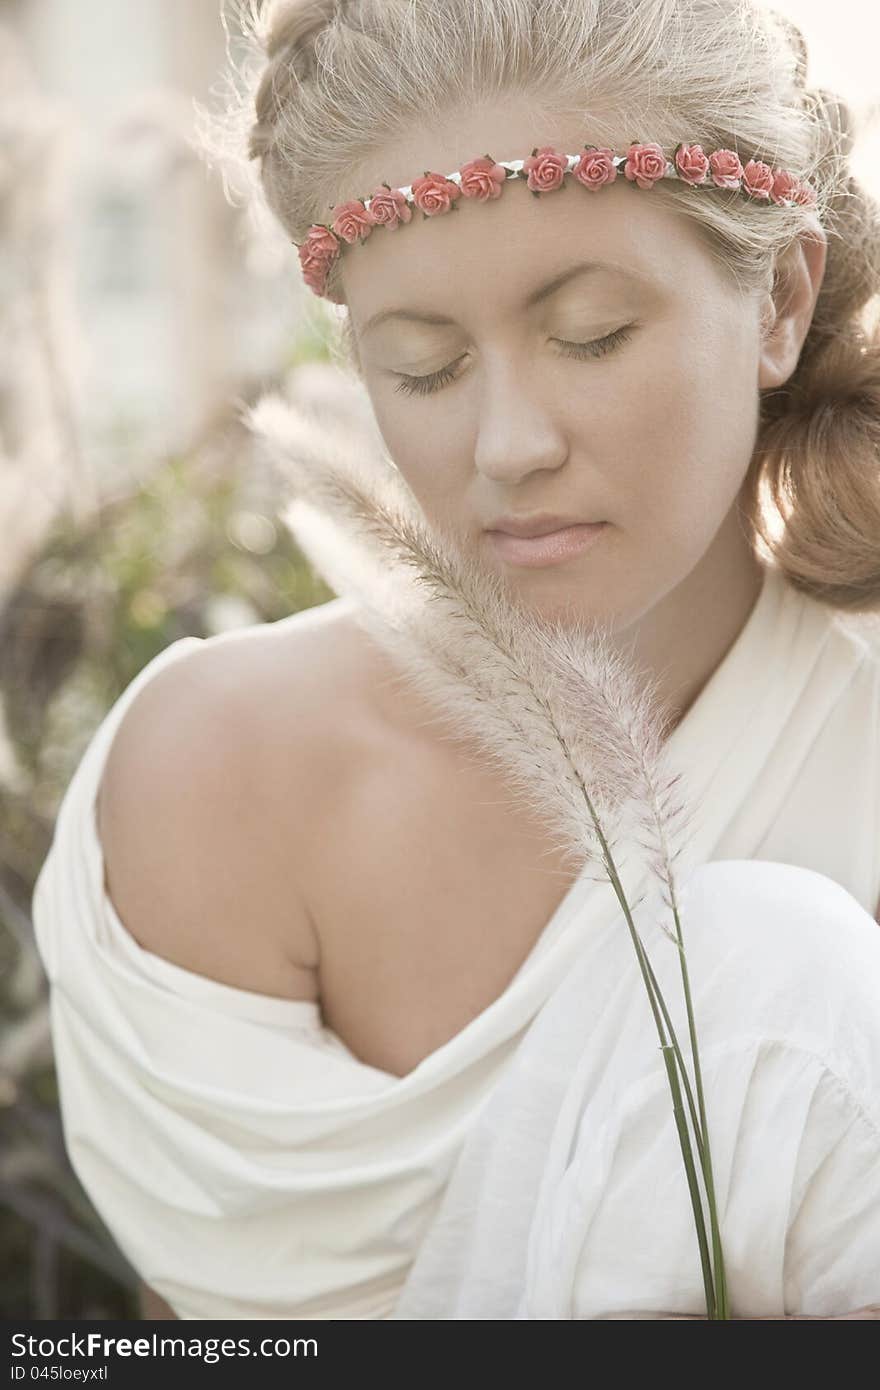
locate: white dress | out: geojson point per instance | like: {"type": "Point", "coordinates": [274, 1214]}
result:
{"type": "Point", "coordinates": [246, 1161]}
{"type": "Point", "coordinates": [569, 1199]}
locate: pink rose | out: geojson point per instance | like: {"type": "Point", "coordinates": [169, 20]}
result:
{"type": "Point", "coordinates": [316, 255]}
{"type": "Point", "coordinates": [645, 164]}
{"type": "Point", "coordinates": [316, 279]}
{"type": "Point", "coordinates": [388, 207]}
{"type": "Point", "coordinates": [351, 220]}
{"type": "Point", "coordinates": [319, 243]}
{"type": "Point", "coordinates": [482, 178]}
{"type": "Point", "coordinates": [757, 179]}
{"type": "Point", "coordinates": [691, 163]}
{"type": "Point", "coordinates": [434, 193]}
{"type": "Point", "coordinates": [726, 168]}
{"type": "Point", "coordinates": [544, 169]}
{"type": "Point", "coordinates": [595, 168]}
{"type": "Point", "coordinates": [315, 274]}
{"type": "Point", "coordinates": [784, 186]}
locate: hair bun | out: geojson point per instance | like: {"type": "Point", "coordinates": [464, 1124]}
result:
{"type": "Point", "coordinates": [287, 31]}
{"type": "Point", "coordinates": [291, 25]}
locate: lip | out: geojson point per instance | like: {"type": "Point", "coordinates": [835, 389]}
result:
{"type": "Point", "coordinates": [538, 524]}
{"type": "Point", "coordinates": [551, 548]}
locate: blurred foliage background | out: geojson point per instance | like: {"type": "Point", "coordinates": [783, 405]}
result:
{"type": "Point", "coordinates": [141, 308]}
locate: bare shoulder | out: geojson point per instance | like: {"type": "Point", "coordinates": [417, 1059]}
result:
{"type": "Point", "coordinates": [221, 771]}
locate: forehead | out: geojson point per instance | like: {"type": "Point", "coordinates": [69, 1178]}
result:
{"type": "Point", "coordinates": [486, 257]}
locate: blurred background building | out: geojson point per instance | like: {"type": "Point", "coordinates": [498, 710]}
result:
{"type": "Point", "coordinates": [180, 303]}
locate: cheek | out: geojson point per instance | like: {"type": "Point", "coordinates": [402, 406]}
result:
{"type": "Point", "coordinates": [430, 460]}
{"type": "Point", "coordinates": [681, 445]}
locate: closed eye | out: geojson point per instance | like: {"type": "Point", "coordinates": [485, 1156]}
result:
{"type": "Point", "coordinates": [599, 347]}
{"type": "Point", "coordinates": [424, 385]}
{"type": "Point", "coordinates": [434, 381]}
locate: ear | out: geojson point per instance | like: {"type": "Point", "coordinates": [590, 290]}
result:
{"type": "Point", "coordinates": [788, 311]}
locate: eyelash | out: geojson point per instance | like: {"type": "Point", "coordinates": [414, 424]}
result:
{"type": "Point", "coordinates": [598, 347]}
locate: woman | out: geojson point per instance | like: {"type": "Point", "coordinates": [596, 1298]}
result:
{"type": "Point", "coordinates": [268, 1116]}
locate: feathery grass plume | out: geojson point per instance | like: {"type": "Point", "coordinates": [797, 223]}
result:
{"type": "Point", "coordinates": [554, 706]}
{"type": "Point", "coordinates": [561, 713]}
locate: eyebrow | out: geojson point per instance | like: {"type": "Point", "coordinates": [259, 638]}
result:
{"type": "Point", "coordinates": [542, 292]}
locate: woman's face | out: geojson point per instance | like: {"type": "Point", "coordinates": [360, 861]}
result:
{"type": "Point", "coordinates": [575, 353]}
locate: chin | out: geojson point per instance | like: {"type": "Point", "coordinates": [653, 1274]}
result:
{"type": "Point", "coordinates": [567, 600]}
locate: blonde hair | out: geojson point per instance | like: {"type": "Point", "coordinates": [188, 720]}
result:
{"type": "Point", "coordinates": [338, 78]}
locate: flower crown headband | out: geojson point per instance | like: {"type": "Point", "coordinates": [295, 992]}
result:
{"type": "Point", "coordinates": [545, 169]}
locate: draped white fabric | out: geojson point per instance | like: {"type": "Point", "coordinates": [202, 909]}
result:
{"type": "Point", "coordinates": [570, 1200]}
{"type": "Point", "coordinates": [247, 1163]}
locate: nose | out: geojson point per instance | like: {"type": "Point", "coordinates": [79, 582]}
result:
{"type": "Point", "coordinates": [518, 429]}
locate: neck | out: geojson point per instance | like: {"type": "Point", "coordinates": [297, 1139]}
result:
{"type": "Point", "coordinates": [682, 640]}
